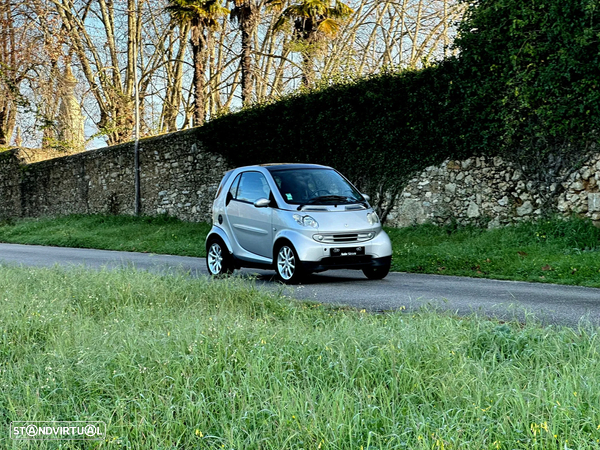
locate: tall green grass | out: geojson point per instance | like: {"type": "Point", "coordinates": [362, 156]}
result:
{"type": "Point", "coordinates": [172, 362]}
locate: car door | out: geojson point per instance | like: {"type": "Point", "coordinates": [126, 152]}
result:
{"type": "Point", "coordinates": [251, 226]}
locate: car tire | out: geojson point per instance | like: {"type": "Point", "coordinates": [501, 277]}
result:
{"type": "Point", "coordinates": [288, 265]}
{"type": "Point", "coordinates": [377, 273]}
{"type": "Point", "coordinates": [218, 259]}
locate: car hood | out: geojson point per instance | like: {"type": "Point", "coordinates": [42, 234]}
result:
{"type": "Point", "coordinates": [341, 221]}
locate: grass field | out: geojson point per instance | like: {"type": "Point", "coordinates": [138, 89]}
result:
{"type": "Point", "coordinates": [170, 362]}
{"type": "Point", "coordinates": [161, 234]}
{"type": "Point", "coordinates": [556, 250]}
{"type": "Point", "coordinates": [552, 250]}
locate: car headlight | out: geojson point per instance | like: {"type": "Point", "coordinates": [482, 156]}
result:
{"type": "Point", "coordinates": [306, 221]}
{"type": "Point", "coordinates": [373, 218]}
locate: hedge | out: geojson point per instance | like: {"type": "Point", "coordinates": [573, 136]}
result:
{"type": "Point", "coordinates": [524, 85]}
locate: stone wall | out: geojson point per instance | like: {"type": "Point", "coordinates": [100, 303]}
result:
{"type": "Point", "coordinates": [176, 176]}
{"type": "Point", "coordinates": [582, 193]}
{"type": "Point", "coordinates": [179, 177]}
{"type": "Point", "coordinates": [494, 192]}
{"type": "Point", "coordinates": [10, 186]}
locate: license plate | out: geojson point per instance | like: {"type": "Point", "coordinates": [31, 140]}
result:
{"type": "Point", "coordinates": [350, 251]}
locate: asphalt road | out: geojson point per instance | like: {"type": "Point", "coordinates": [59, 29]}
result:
{"type": "Point", "coordinates": [507, 300]}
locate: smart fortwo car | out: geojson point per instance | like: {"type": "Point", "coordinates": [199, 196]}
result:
{"type": "Point", "coordinates": [295, 219]}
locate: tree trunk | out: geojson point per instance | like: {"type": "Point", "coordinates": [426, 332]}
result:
{"type": "Point", "coordinates": [247, 26]}
{"type": "Point", "coordinates": [9, 65]}
{"type": "Point", "coordinates": [174, 88]}
{"type": "Point", "coordinates": [4, 138]}
{"type": "Point", "coordinates": [198, 56]}
{"type": "Point", "coordinates": [307, 30]}
{"type": "Point", "coordinates": [307, 70]}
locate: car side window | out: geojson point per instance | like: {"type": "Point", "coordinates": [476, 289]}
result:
{"type": "Point", "coordinates": [253, 186]}
{"type": "Point", "coordinates": [222, 183]}
{"type": "Point", "coordinates": [234, 187]}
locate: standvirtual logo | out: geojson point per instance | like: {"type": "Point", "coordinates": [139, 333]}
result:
{"type": "Point", "coordinates": [38, 430]}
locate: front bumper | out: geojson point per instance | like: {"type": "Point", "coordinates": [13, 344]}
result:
{"type": "Point", "coordinates": [346, 262]}
{"type": "Point", "coordinates": [317, 256]}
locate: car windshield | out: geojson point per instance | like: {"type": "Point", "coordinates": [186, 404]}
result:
{"type": "Point", "coordinates": [315, 187]}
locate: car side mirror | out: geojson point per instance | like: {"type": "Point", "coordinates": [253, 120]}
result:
{"type": "Point", "coordinates": [366, 197]}
{"type": "Point", "coordinates": [262, 203]}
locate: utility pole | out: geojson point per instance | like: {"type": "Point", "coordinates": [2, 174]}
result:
{"type": "Point", "coordinates": [136, 157]}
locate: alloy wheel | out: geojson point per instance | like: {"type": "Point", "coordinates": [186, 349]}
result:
{"type": "Point", "coordinates": [286, 263]}
{"type": "Point", "coordinates": [215, 259]}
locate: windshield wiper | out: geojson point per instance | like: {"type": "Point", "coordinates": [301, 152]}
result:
{"type": "Point", "coordinates": [334, 199]}
{"type": "Point", "coordinates": [326, 198]}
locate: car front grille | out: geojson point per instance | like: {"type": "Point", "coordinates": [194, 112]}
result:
{"type": "Point", "coordinates": [348, 237]}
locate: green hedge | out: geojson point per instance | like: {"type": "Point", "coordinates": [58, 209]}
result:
{"type": "Point", "coordinates": [377, 131]}
{"type": "Point", "coordinates": [525, 85]}
{"type": "Point", "coordinates": [532, 70]}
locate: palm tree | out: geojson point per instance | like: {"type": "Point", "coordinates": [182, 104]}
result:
{"type": "Point", "coordinates": [201, 15]}
{"type": "Point", "coordinates": [245, 12]}
{"type": "Point", "coordinates": [312, 20]}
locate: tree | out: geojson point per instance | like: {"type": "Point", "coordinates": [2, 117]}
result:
{"type": "Point", "coordinates": [246, 13]}
{"type": "Point", "coordinates": [100, 56]}
{"type": "Point", "coordinates": [201, 15]}
{"type": "Point", "coordinates": [249, 60]}
{"type": "Point", "coordinates": [173, 59]}
{"type": "Point", "coordinates": [392, 34]}
{"type": "Point", "coordinates": [17, 60]}
{"type": "Point", "coordinates": [312, 20]}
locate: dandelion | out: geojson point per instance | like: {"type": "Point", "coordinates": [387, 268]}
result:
{"type": "Point", "coordinates": [535, 428]}
{"type": "Point", "coordinates": [199, 433]}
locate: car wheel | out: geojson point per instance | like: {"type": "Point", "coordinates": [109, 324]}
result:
{"type": "Point", "coordinates": [288, 265]}
{"type": "Point", "coordinates": [218, 260]}
{"type": "Point", "coordinates": [377, 273]}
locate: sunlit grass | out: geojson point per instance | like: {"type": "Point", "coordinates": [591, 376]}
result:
{"type": "Point", "coordinates": [554, 250]}
{"type": "Point", "coordinates": [173, 362]}
{"type": "Point", "coordinates": [162, 234]}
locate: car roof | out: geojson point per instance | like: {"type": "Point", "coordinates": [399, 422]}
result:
{"type": "Point", "coordinates": [272, 167]}
{"type": "Point", "coordinates": [291, 166]}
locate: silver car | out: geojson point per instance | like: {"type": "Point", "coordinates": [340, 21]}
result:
{"type": "Point", "coordinates": [295, 219]}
